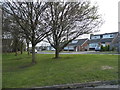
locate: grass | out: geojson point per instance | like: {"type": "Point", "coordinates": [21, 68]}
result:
{"type": "Point", "coordinates": [18, 73]}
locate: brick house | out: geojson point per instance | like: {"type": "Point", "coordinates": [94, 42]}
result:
{"type": "Point", "coordinates": [77, 45]}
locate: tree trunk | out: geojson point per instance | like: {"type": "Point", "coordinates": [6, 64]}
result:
{"type": "Point", "coordinates": [28, 48]}
{"type": "Point", "coordinates": [16, 47]}
{"type": "Point", "coordinates": [21, 50]}
{"type": "Point", "coordinates": [56, 53]}
{"type": "Point", "coordinates": [33, 54]}
{"type": "Point", "coordinates": [16, 51]}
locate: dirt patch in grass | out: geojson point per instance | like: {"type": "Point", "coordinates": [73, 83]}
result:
{"type": "Point", "coordinates": [106, 67]}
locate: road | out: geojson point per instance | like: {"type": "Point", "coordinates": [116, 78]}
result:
{"type": "Point", "coordinates": [82, 52]}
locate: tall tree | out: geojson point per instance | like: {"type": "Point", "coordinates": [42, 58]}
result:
{"type": "Point", "coordinates": [69, 20]}
{"type": "Point", "coordinates": [30, 17]}
{"type": "Point", "coordinates": [13, 31]}
{"type": "Point", "coordinates": [22, 45]}
{"type": "Point", "coordinates": [27, 42]}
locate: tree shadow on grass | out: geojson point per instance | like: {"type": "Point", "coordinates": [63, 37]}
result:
{"type": "Point", "coordinates": [62, 58]}
{"type": "Point", "coordinates": [18, 68]}
{"type": "Point", "coordinates": [20, 58]}
{"type": "Point", "coordinates": [26, 65]}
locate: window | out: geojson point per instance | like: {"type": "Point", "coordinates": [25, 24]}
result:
{"type": "Point", "coordinates": [74, 41]}
{"type": "Point", "coordinates": [95, 37]}
{"type": "Point", "coordinates": [93, 45]}
{"type": "Point", "coordinates": [69, 47]}
{"type": "Point", "coordinates": [111, 35]}
{"type": "Point", "coordinates": [108, 36]}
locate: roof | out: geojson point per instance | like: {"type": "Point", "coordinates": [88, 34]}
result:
{"type": "Point", "coordinates": [100, 40]}
{"type": "Point", "coordinates": [117, 39]}
{"type": "Point", "coordinates": [104, 34]}
{"type": "Point", "coordinates": [80, 42]}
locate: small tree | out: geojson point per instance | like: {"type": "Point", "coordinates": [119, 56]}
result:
{"type": "Point", "coordinates": [102, 48]}
{"type": "Point", "coordinates": [22, 46]}
{"type": "Point", "coordinates": [113, 48]}
{"type": "Point", "coordinates": [108, 48]}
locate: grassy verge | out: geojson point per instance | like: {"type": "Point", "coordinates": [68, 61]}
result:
{"type": "Point", "coordinates": [19, 73]}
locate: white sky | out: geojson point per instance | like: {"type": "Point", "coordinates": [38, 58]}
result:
{"type": "Point", "coordinates": [109, 11]}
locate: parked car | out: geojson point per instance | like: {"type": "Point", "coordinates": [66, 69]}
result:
{"type": "Point", "coordinates": [31, 51]}
{"type": "Point", "coordinates": [97, 48]}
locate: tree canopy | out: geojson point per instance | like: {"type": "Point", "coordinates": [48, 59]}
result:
{"type": "Point", "coordinates": [69, 20]}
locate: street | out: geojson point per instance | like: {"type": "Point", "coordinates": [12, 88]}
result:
{"type": "Point", "coordinates": [81, 52]}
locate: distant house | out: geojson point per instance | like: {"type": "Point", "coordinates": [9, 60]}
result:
{"type": "Point", "coordinates": [7, 42]}
{"type": "Point", "coordinates": [77, 45]}
{"type": "Point", "coordinates": [50, 48]}
{"type": "Point", "coordinates": [103, 39]}
{"type": "Point", "coordinates": [7, 45]}
{"type": "Point", "coordinates": [116, 42]}
{"type": "Point", "coordinates": [95, 42]}
{"type": "Point", "coordinates": [45, 48]}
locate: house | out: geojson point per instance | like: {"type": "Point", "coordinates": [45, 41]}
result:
{"type": "Point", "coordinates": [7, 45]}
{"type": "Point", "coordinates": [116, 42]}
{"type": "Point", "coordinates": [77, 45]}
{"type": "Point", "coordinates": [7, 42]}
{"type": "Point", "coordinates": [103, 39]}
{"type": "Point", "coordinates": [44, 48]}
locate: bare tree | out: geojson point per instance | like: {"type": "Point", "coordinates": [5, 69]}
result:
{"type": "Point", "coordinates": [13, 31]}
{"type": "Point", "coordinates": [27, 41]}
{"type": "Point", "coordinates": [69, 20]}
{"type": "Point", "coordinates": [22, 45]}
{"type": "Point", "coordinates": [30, 17]}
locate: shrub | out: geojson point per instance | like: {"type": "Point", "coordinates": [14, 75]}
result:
{"type": "Point", "coordinates": [106, 48]}
{"type": "Point", "coordinates": [102, 48]}
{"type": "Point", "coordinates": [113, 48]}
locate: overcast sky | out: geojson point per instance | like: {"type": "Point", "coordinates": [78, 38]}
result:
{"type": "Point", "coordinates": [109, 11]}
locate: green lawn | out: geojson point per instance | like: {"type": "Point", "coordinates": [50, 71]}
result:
{"type": "Point", "coordinates": [18, 73]}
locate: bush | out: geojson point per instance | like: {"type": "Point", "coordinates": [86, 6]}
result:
{"type": "Point", "coordinates": [106, 48]}
{"type": "Point", "coordinates": [113, 48]}
{"type": "Point", "coordinates": [102, 48]}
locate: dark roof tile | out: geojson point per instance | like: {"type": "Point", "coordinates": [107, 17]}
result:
{"type": "Point", "coordinates": [80, 42]}
{"type": "Point", "coordinates": [100, 40]}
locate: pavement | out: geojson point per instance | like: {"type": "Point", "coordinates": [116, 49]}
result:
{"type": "Point", "coordinates": [109, 85]}
{"type": "Point", "coordinates": [81, 52]}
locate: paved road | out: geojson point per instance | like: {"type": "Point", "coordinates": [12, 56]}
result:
{"type": "Point", "coordinates": [82, 52]}
{"type": "Point", "coordinates": [108, 86]}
